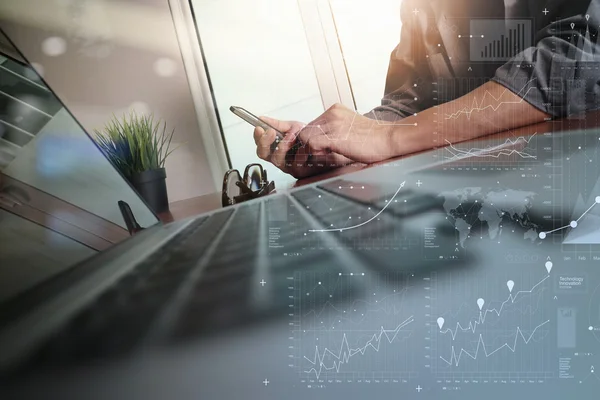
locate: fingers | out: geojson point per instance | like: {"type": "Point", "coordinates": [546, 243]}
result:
{"type": "Point", "coordinates": [278, 157]}
{"type": "Point", "coordinates": [281, 126]}
{"type": "Point", "coordinates": [263, 142]}
{"type": "Point", "coordinates": [321, 144]}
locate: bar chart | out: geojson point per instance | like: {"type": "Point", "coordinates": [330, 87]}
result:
{"type": "Point", "coordinates": [499, 40]}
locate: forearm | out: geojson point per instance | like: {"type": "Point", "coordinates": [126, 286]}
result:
{"type": "Point", "coordinates": [488, 109]}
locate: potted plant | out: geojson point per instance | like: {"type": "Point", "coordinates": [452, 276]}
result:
{"type": "Point", "coordinates": [138, 146]}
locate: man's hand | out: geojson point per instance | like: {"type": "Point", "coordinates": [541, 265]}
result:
{"type": "Point", "coordinates": [343, 131]}
{"type": "Point", "coordinates": [341, 136]}
{"type": "Point", "coordinates": [305, 161]}
{"type": "Point", "coordinates": [338, 137]}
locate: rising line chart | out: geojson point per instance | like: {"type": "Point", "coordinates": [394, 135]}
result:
{"type": "Point", "coordinates": [573, 224]}
{"type": "Point", "coordinates": [345, 353]}
{"type": "Point", "coordinates": [455, 359]}
{"type": "Point", "coordinates": [373, 218]}
{"type": "Point", "coordinates": [492, 151]}
{"type": "Point", "coordinates": [478, 104]}
{"type": "Point", "coordinates": [483, 314]}
{"type": "Point", "coordinates": [476, 342]}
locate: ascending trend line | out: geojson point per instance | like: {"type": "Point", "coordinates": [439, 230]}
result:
{"type": "Point", "coordinates": [477, 105]}
{"type": "Point", "coordinates": [319, 127]}
{"type": "Point", "coordinates": [345, 353]}
{"type": "Point", "coordinates": [385, 123]}
{"type": "Point", "coordinates": [572, 224]}
{"type": "Point", "coordinates": [483, 314]}
{"type": "Point", "coordinates": [365, 222]}
{"type": "Point", "coordinates": [494, 151]}
{"type": "Point", "coordinates": [481, 344]}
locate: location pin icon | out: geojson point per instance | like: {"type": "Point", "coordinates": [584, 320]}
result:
{"type": "Point", "coordinates": [440, 322]}
{"type": "Point", "coordinates": [587, 17]}
{"type": "Point", "coordinates": [572, 25]}
{"type": "Point", "coordinates": [549, 266]}
{"type": "Point", "coordinates": [480, 303]}
{"type": "Point", "coordinates": [510, 285]}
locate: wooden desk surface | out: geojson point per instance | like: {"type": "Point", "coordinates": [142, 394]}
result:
{"type": "Point", "coordinates": [188, 208]}
{"type": "Point", "coordinates": [197, 205]}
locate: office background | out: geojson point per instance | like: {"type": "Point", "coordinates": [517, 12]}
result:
{"type": "Point", "coordinates": [110, 56]}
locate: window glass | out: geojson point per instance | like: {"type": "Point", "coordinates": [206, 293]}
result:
{"type": "Point", "coordinates": [58, 192]}
{"type": "Point", "coordinates": [368, 31]}
{"type": "Point", "coordinates": [258, 58]}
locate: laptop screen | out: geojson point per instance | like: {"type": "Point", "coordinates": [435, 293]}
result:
{"type": "Point", "coordinates": [58, 193]}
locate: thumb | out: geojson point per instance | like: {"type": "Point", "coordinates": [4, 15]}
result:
{"type": "Point", "coordinates": [281, 126]}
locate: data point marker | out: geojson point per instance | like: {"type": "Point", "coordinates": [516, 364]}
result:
{"type": "Point", "coordinates": [440, 322]}
{"type": "Point", "coordinates": [510, 285]}
{"type": "Point", "coordinates": [480, 303]}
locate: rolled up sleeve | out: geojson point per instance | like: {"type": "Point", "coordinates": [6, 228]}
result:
{"type": "Point", "coordinates": [560, 75]}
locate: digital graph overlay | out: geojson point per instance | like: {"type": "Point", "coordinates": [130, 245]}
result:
{"type": "Point", "coordinates": [351, 215]}
{"type": "Point", "coordinates": [363, 223]}
{"type": "Point", "coordinates": [320, 128]}
{"type": "Point", "coordinates": [523, 149]}
{"type": "Point", "coordinates": [491, 336]}
{"type": "Point", "coordinates": [583, 230]}
{"type": "Point", "coordinates": [501, 39]}
{"type": "Point", "coordinates": [341, 335]}
{"type": "Point", "coordinates": [518, 147]}
{"type": "Point", "coordinates": [594, 314]}
{"type": "Point", "coordinates": [490, 102]}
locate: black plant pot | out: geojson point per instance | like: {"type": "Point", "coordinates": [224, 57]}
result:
{"type": "Point", "coordinates": [152, 186]}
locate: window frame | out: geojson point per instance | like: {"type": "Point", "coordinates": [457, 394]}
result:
{"type": "Point", "coordinates": [211, 130]}
{"type": "Point", "coordinates": [326, 55]}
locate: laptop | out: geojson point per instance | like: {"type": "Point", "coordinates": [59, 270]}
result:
{"type": "Point", "coordinates": [465, 272]}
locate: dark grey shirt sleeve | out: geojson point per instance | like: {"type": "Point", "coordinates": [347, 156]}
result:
{"type": "Point", "coordinates": [560, 74]}
{"type": "Point", "coordinates": [407, 86]}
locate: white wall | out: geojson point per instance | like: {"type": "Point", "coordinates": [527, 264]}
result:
{"type": "Point", "coordinates": [108, 56]}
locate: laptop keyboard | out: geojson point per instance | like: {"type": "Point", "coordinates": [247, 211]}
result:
{"type": "Point", "coordinates": [222, 289]}
{"type": "Point", "coordinates": [118, 318]}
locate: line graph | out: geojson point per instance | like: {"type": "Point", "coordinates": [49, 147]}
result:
{"type": "Point", "coordinates": [346, 353]}
{"type": "Point", "coordinates": [478, 105]}
{"type": "Point", "coordinates": [509, 332]}
{"type": "Point", "coordinates": [355, 334]}
{"type": "Point", "coordinates": [387, 123]}
{"type": "Point", "coordinates": [374, 217]}
{"type": "Point", "coordinates": [455, 359]}
{"type": "Point", "coordinates": [575, 223]}
{"type": "Point", "coordinates": [497, 151]}
{"type": "Point", "coordinates": [472, 326]}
